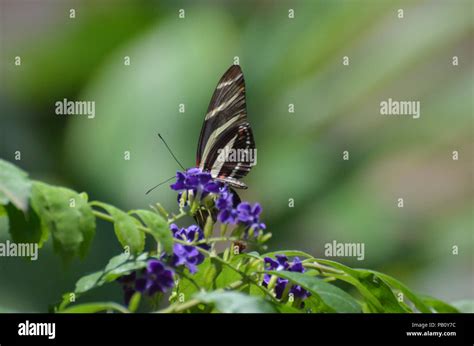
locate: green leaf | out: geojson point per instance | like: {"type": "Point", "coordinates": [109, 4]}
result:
{"type": "Point", "coordinates": [25, 228]}
{"type": "Point", "coordinates": [225, 274]}
{"type": "Point", "coordinates": [88, 282]}
{"type": "Point", "coordinates": [466, 305]}
{"type": "Point", "coordinates": [159, 228]}
{"type": "Point", "coordinates": [378, 295]}
{"type": "Point", "coordinates": [189, 284]}
{"type": "Point", "coordinates": [419, 304]}
{"type": "Point", "coordinates": [235, 302]}
{"type": "Point", "coordinates": [4, 222]}
{"type": "Point", "coordinates": [371, 300]}
{"type": "Point", "coordinates": [15, 187]}
{"type": "Point", "coordinates": [381, 291]}
{"type": "Point", "coordinates": [439, 305]}
{"type": "Point", "coordinates": [126, 228]}
{"type": "Point", "coordinates": [66, 216]}
{"type": "Point", "coordinates": [332, 296]}
{"type": "Point", "coordinates": [123, 269]}
{"type": "Point", "coordinates": [134, 302]}
{"type": "Point", "coordinates": [353, 277]}
{"type": "Point", "coordinates": [117, 261]}
{"type": "Point", "coordinates": [94, 307]}
{"type": "Point", "coordinates": [117, 266]}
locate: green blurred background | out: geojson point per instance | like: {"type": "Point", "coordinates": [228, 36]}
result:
{"type": "Point", "coordinates": [286, 61]}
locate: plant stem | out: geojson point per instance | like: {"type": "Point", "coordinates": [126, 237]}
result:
{"type": "Point", "coordinates": [321, 267]}
{"type": "Point", "coordinates": [177, 217]}
{"type": "Point", "coordinates": [103, 216]}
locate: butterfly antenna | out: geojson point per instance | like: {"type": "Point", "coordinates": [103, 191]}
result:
{"type": "Point", "coordinates": [154, 187]}
{"type": "Point", "coordinates": [174, 157]}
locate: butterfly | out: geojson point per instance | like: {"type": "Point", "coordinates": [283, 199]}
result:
{"type": "Point", "coordinates": [226, 146]}
{"type": "Point", "coordinates": [225, 130]}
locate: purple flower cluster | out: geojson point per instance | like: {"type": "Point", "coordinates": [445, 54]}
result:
{"type": "Point", "coordinates": [196, 180]}
{"type": "Point", "coordinates": [156, 277]}
{"type": "Point", "coordinates": [281, 263]}
{"type": "Point", "coordinates": [201, 183]}
{"type": "Point", "coordinates": [244, 214]}
{"type": "Point", "coordinates": [187, 255]}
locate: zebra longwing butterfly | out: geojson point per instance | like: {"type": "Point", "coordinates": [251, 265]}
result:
{"type": "Point", "coordinates": [226, 130]}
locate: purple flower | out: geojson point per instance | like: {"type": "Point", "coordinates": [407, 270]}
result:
{"type": "Point", "coordinates": [154, 278]}
{"type": "Point", "coordinates": [298, 291]}
{"type": "Point", "coordinates": [225, 203]}
{"type": "Point", "coordinates": [250, 216]}
{"type": "Point", "coordinates": [187, 255]}
{"type": "Point", "coordinates": [281, 263]}
{"type": "Point", "coordinates": [245, 214]}
{"type": "Point", "coordinates": [196, 180]}
{"type": "Point", "coordinates": [297, 266]}
{"type": "Point", "coordinates": [225, 200]}
{"type": "Point", "coordinates": [191, 234]}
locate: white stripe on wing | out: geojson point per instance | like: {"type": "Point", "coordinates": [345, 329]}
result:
{"type": "Point", "coordinates": [221, 158]}
{"type": "Point", "coordinates": [214, 135]}
{"type": "Point", "coordinates": [223, 106]}
{"type": "Point", "coordinates": [229, 82]}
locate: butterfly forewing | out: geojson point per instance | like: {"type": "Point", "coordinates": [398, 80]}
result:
{"type": "Point", "coordinates": [227, 129]}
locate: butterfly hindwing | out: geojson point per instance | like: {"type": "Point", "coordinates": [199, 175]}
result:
{"type": "Point", "coordinates": [226, 127]}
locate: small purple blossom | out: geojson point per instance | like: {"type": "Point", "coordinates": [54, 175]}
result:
{"type": "Point", "coordinates": [281, 263]}
{"type": "Point", "coordinates": [225, 203]}
{"type": "Point", "coordinates": [187, 255]}
{"type": "Point", "coordinates": [249, 216]}
{"type": "Point", "coordinates": [245, 214]}
{"type": "Point", "coordinates": [156, 277]}
{"type": "Point", "coordinates": [225, 200]}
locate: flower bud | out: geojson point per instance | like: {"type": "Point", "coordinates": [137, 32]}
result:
{"type": "Point", "coordinates": [208, 227]}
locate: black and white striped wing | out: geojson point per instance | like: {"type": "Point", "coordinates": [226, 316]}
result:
{"type": "Point", "coordinates": [225, 130]}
